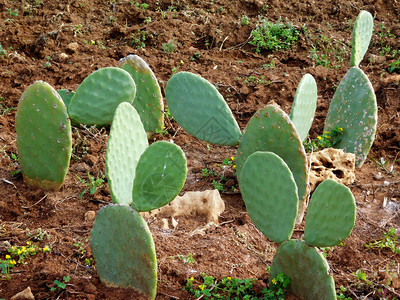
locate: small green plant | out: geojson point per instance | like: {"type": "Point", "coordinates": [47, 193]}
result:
{"type": "Point", "coordinates": [187, 259]}
{"type": "Point", "coordinates": [60, 285]}
{"type": "Point", "coordinates": [3, 52]}
{"type": "Point", "coordinates": [341, 296]}
{"type": "Point", "coordinates": [163, 131]}
{"type": "Point", "coordinates": [271, 36]}
{"type": "Point", "coordinates": [394, 67]}
{"type": "Point", "coordinates": [4, 109]}
{"type": "Point", "coordinates": [253, 81]}
{"type": "Point", "coordinates": [17, 255]}
{"type": "Point", "coordinates": [169, 47]}
{"type": "Point", "coordinates": [92, 185]}
{"type": "Point", "coordinates": [195, 56]}
{"type": "Point", "coordinates": [385, 165]}
{"type": "Point", "coordinates": [218, 185]}
{"type": "Point", "coordinates": [244, 20]}
{"type": "Point", "coordinates": [139, 38]}
{"type": "Point", "coordinates": [233, 288]}
{"type": "Point", "coordinates": [14, 166]}
{"type": "Point", "coordinates": [327, 140]}
{"type": "Point", "coordinates": [38, 235]}
{"type": "Point", "coordinates": [389, 241]}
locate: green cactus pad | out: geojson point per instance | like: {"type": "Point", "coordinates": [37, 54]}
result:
{"type": "Point", "coordinates": [160, 176]}
{"type": "Point", "coordinates": [124, 250]}
{"type": "Point", "coordinates": [307, 269]}
{"type": "Point", "coordinates": [331, 215]}
{"type": "Point", "coordinates": [44, 138]}
{"type": "Point", "coordinates": [201, 110]}
{"type": "Point", "coordinates": [304, 105]}
{"type": "Point", "coordinates": [148, 102]}
{"type": "Point", "coordinates": [270, 129]}
{"type": "Point", "coordinates": [98, 96]}
{"type": "Point", "coordinates": [362, 33]}
{"type": "Point", "coordinates": [270, 194]}
{"type": "Point", "coordinates": [354, 108]}
{"type": "Point", "coordinates": [126, 143]}
{"type": "Point", "coordinates": [66, 96]}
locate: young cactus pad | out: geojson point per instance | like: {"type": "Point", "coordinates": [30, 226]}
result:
{"type": "Point", "coordinates": [331, 215]}
{"type": "Point", "coordinates": [270, 129]}
{"type": "Point", "coordinates": [304, 105]}
{"type": "Point", "coordinates": [270, 194]}
{"type": "Point", "coordinates": [160, 176]}
{"type": "Point", "coordinates": [362, 33]}
{"type": "Point", "coordinates": [126, 143]}
{"type": "Point", "coordinates": [124, 250]}
{"type": "Point", "coordinates": [66, 96]}
{"type": "Point", "coordinates": [307, 269]}
{"type": "Point", "coordinates": [44, 136]}
{"type": "Point", "coordinates": [201, 110]}
{"type": "Point", "coordinates": [98, 96]}
{"type": "Point", "coordinates": [354, 109]}
{"type": "Point", "coordinates": [148, 101]}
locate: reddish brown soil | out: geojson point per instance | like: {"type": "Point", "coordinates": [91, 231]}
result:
{"type": "Point", "coordinates": [35, 34]}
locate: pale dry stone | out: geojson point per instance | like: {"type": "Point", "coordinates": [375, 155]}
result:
{"type": "Point", "coordinates": [26, 294]}
{"type": "Point", "coordinates": [331, 164]}
{"type": "Point", "coordinates": [208, 204]}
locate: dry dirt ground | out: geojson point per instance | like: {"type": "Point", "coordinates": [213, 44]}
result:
{"type": "Point", "coordinates": [62, 42]}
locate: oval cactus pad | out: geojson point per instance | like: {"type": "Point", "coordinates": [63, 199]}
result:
{"type": "Point", "coordinates": [98, 96]}
{"type": "Point", "coordinates": [160, 176]}
{"type": "Point", "coordinates": [123, 249]}
{"type": "Point", "coordinates": [44, 138]}
{"type": "Point", "coordinates": [354, 109]}
{"type": "Point", "coordinates": [362, 34]}
{"type": "Point", "coordinates": [307, 269]}
{"type": "Point", "coordinates": [331, 215]}
{"type": "Point", "coordinates": [126, 143]}
{"type": "Point", "coordinates": [201, 110]}
{"type": "Point", "coordinates": [148, 101]}
{"type": "Point", "coordinates": [304, 105]}
{"type": "Point", "coordinates": [270, 193]}
{"type": "Point", "coordinates": [270, 129]}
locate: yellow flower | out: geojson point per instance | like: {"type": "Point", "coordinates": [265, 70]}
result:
{"type": "Point", "coordinates": [12, 262]}
{"type": "Point", "coordinates": [318, 137]}
{"type": "Point", "coordinates": [274, 281]}
{"type": "Point", "coordinates": [340, 128]}
{"type": "Point", "coordinates": [46, 249]}
{"type": "Point", "coordinates": [232, 158]}
{"type": "Point", "coordinates": [202, 286]}
{"type": "Point", "coordinates": [8, 256]}
{"type": "Point", "coordinates": [234, 166]}
{"type": "Point", "coordinates": [191, 279]}
{"type": "Point", "coordinates": [229, 278]}
{"type": "Point", "coordinates": [19, 251]}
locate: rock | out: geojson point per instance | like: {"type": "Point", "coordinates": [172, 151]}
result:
{"type": "Point", "coordinates": [207, 203]}
{"type": "Point", "coordinates": [72, 47]}
{"type": "Point", "coordinates": [332, 164]}
{"type": "Point", "coordinates": [90, 288]}
{"type": "Point", "coordinates": [26, 294]}
{"type": "Point", "coordinates": [16, 57]}
{"type": "Point", "coordinates": [90, 216]}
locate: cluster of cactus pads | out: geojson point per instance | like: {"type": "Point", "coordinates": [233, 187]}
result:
{"type": "Point", "coordinates": [141, 178]}
{"type": "Point", "coordinates": [45, 116]}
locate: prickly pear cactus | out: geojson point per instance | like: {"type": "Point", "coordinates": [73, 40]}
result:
{"type": "Point", "coordinates": [126, 143]}
{"type": "Point", "coordinates": [304, 105]}
{"type": "Point", "coordinates": [307, 268]}
{"type": "Point", "coordinates": [148, 101]}
{"type": "Point", "coordinates": [354, 108]}
{"type": "Point", "coordinates": [201, 110]}
{"type": "Point", "coordinates": [270, 194]}
{"type": "Point", "coordinates": [124, 250]}
{"type": "Point", "coordinates": [98, 96]}
{"type": "Point", "coordinates": [270, 129]}
{"type": "Point", "coordinates": [362, 33]}
{"type": "Point", "coordinates": [66, 96]}
{"type": "Point", "coordinates": [331, 215]}
{"type": "Point", "coordinates": [160, 176]}
{"type": "Point", "coordinates": [43, 136]}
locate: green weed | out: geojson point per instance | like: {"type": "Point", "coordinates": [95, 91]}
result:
{"type": "Point", "coordinates": [274, 36]}
{"type": "Point", "coordinates": [60, 285]}
{"type": "Point", "coordinates": [92, 184]}
{"type": "Point", "coordinates": [232, 288]}
{"type": "Point", "coordinates": [139, 38]}
{"type": "Point", "coordinates": [389, 241]}
{"type": "Point", "coordinates": [169, 47]}
{"type": "Point", "coordinates": [329, 139]}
